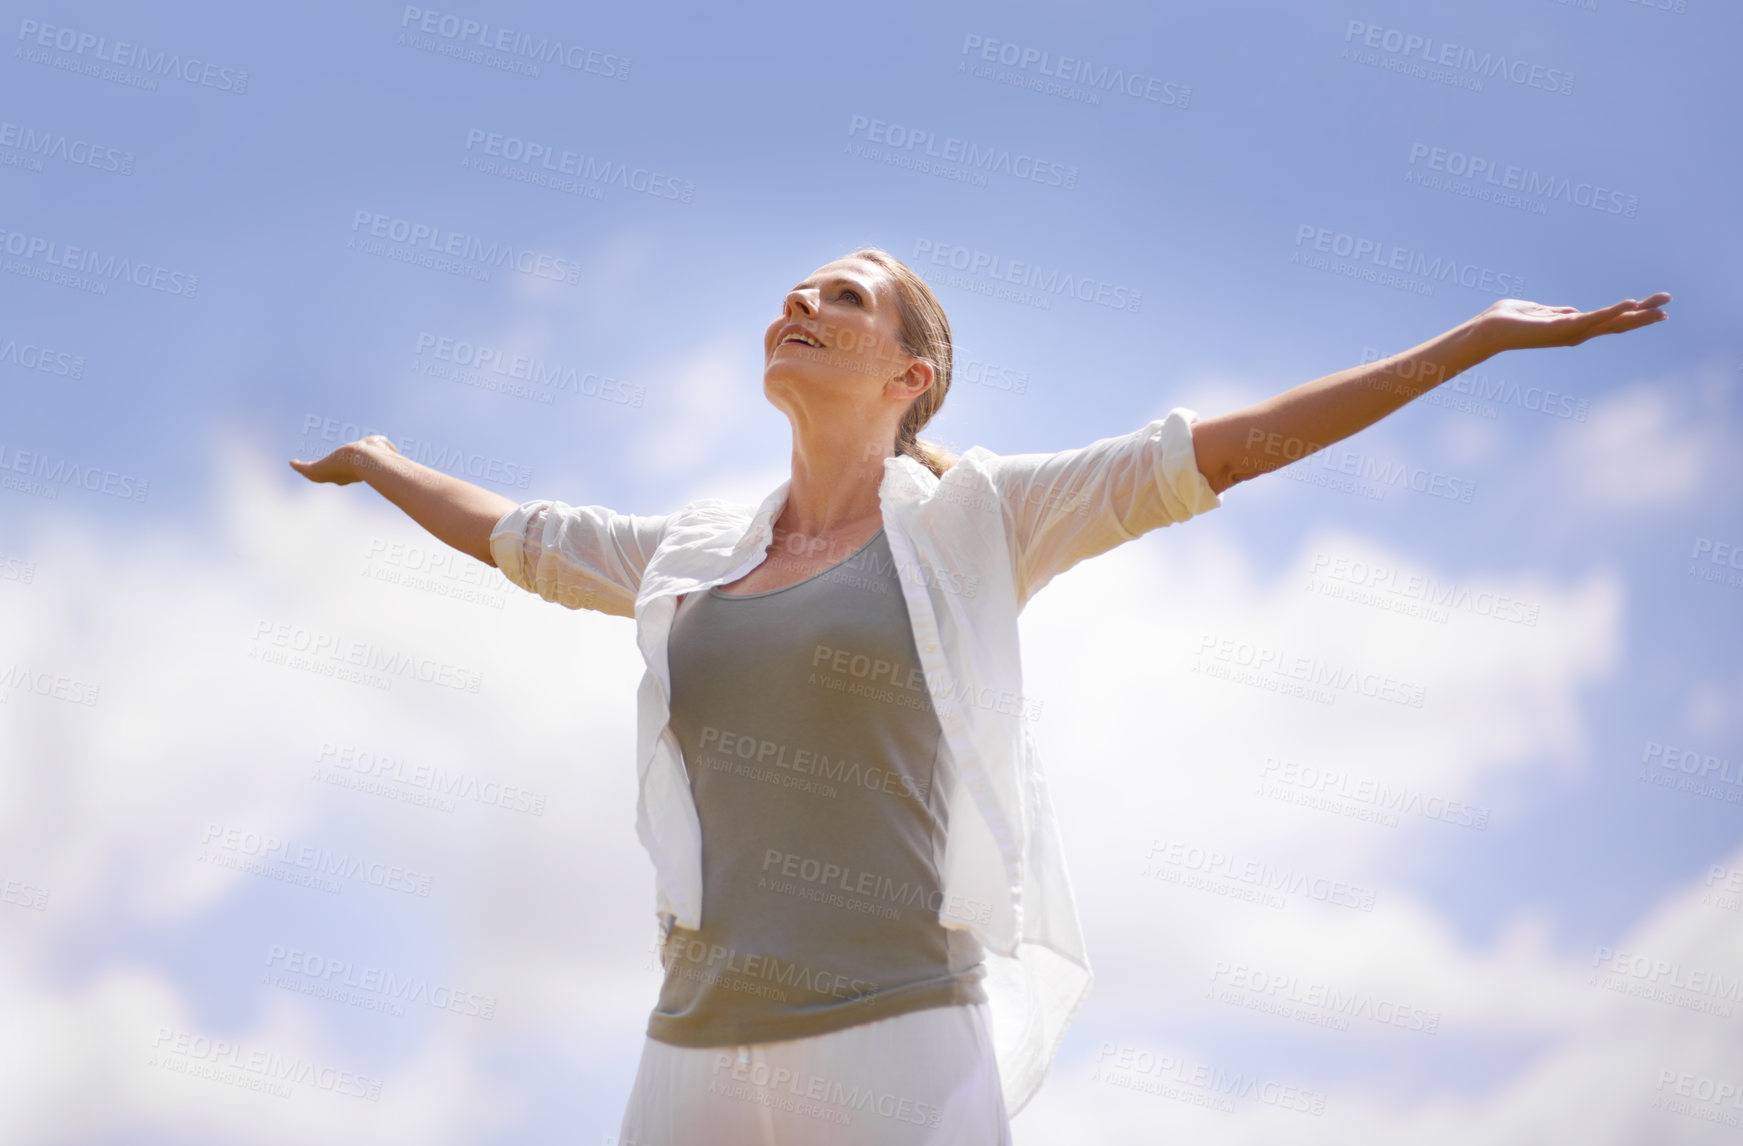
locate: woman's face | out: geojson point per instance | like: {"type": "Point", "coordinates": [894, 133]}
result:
{"type": "Point", "coordinates": [838, 336]}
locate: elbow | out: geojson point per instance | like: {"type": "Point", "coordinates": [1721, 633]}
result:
{"type": "Point", "coordinates": [1214, 452]}
{"type": "Point", "coordinates": [1221, 477]}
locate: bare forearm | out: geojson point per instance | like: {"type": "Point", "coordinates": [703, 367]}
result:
{"type": "Point", "coordinates": [454, 510]}
{"type": "Point", "coordinates": [1262, 437]}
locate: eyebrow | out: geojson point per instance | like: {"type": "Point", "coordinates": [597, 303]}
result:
{"type": "Point", "coordinates": [864, 288]}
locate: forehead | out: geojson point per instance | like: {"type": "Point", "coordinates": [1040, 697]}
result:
{"type": "Point", "coordinates": [862, 271]}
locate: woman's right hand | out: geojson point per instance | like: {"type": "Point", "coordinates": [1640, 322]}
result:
{"type": "Point", "coordinates": [345, 464]}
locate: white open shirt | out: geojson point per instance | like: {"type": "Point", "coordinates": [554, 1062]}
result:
{"type": "Point", "coordinates": [970, 549]}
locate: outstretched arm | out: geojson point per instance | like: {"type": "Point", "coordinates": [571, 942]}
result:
{"type": "Point", "coordinates": [1268, 435]}
{"type": "Point", "coordinates": [451, 508]}
{"type": "Point", "coordinates": [581, 557]}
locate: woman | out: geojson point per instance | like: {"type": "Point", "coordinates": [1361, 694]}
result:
{"type": "Point", "coordinates": [869, 931]}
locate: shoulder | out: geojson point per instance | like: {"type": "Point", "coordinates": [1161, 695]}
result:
{"type": "Point", "coordinates": [982, 468]}
{"type": "Point", "coordinates": [712, 508]}
{"type": "Point", "coordinates": [705, 518]}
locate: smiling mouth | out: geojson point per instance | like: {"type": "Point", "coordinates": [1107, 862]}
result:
{"type": "Point", "coordinates": [801, 340]}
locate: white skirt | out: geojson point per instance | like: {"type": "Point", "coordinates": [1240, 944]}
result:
{"type": "Point", "coordinates": [924, 1078]}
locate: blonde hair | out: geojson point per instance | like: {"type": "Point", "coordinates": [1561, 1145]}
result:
{"type": "Point", "coordinates": [926, 336]}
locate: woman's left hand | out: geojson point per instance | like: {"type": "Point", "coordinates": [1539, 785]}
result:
{"type": "Point", "coordinates": [1514, 324]}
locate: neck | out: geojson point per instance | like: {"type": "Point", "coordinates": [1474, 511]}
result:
{"type": "Point", "coordinates": [837, 472]}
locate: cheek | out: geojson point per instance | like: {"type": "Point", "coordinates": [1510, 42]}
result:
{"type": "Point", "coordinates": [864, 341]}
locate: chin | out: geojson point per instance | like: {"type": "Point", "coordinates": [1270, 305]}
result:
{"type": "Point", "coordinates": [783, 374]}
{"type": "Point", "coordinates": [777, 381]}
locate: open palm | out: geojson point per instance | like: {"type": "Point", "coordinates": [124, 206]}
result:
{"type": "Point", "coordinates": [345, 464]}
{"type": "Point", "coordinates": [1515, 324]}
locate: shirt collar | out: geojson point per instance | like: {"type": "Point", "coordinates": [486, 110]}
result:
{"type": "Point", "coordinates": [904, 480]}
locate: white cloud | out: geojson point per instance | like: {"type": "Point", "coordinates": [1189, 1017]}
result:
{"type": "Point", "coordinates": [552, 915]}
{"type": "Point", "coordinates": [1715, 707]}
{"type": "Point", "coordinates": [707, 399]}
{"type": "Point", "coordinates": [1640, 448]}
{"type": "Point", "coordinates": [107, 807]}
{"type": "Point", "coordinates": [1139, 749]}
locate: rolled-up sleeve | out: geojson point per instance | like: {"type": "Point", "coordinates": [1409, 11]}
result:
{"type": "Point", "coordinates": [580, 557]}
{"type": "Point", "coordinates": [1063, 507]}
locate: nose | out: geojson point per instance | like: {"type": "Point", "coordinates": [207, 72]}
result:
{"type": "Point", "coordinates": [804, 301]}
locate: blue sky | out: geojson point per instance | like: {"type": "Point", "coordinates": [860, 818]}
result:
{"type": "Point", "coordinates": [717, 157]}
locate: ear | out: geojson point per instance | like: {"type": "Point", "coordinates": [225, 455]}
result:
{"type": "Point", "coordinates": [916, 379]}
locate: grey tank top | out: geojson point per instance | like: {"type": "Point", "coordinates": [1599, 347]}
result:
{"type": "Point", "coordinates": [820, 778]}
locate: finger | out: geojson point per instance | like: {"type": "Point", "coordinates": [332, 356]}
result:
{"type": "Point", "coordinates": [1617, 309]}
{"type": "Point", "coordinates": [1650, 302]}
{"type": "Point", "coordinates": [1632, 321]}
{"type": "Point", "coordinates": [1645, 315]}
